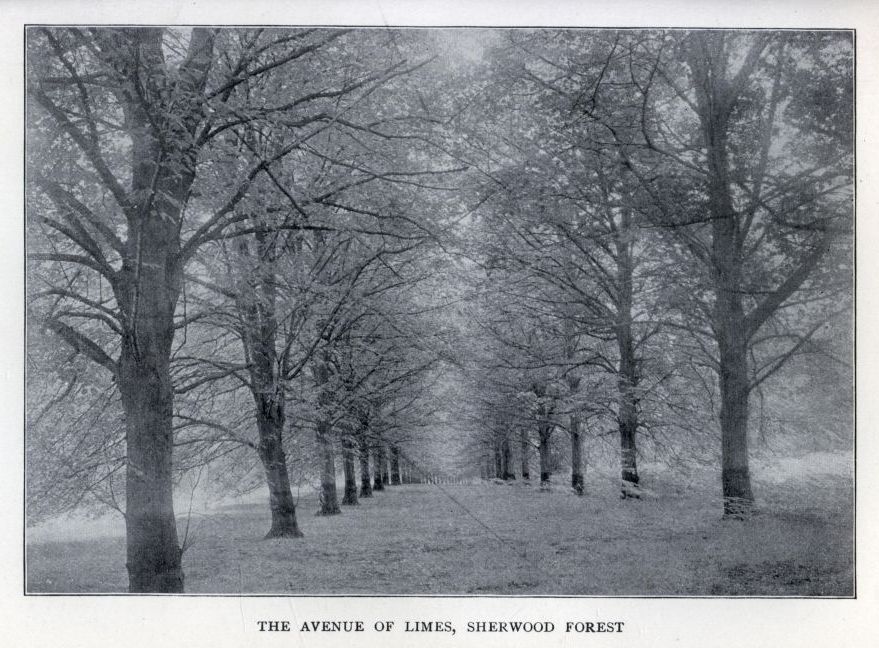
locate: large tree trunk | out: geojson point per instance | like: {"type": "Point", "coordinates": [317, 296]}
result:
{"type": "Point", "coordinates": [525, 450]}
{"type": "Point", "coordinates": [730, 323]}
{"type": "Point", "coordinates": [147, 290]}
{"type": "Point", "coordinates": [730, 327]}
{"type": "Point", "coordinates": [395, 465]}
{"type": "Point", "coordinates": [274, 461]}
{"type": "Point", "coordinates": [329, 501]}
{"type": "Point", "coordinates": [350, 496]}
{"type": "Point", "coordinates": [152, 549]}
{"type": "Point", "coordinates": [256, 302]}
{"type": "Point", "coordinates": [576, 455]}
{"type": "Point", "coordinates": [738, 498]}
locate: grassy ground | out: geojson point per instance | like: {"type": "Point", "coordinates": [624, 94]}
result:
{"type": "Point", "coordinates": [416, 540]}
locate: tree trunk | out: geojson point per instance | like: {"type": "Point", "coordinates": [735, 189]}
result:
{"type": "Point", "coordinates": [628, 452]}
{"type": "Point", "coordinates": [576, 455]}
{"type": "Point", "coordinates": [730, 323]}
{"type": "Point", "coordinates": [525, 449]}
{"type": "Point", "coordinates": [395, 465]}
{"type": "Point", "coordinates": [365, 479]}
{"type": "Point", "coordinates": [545, 434]}
{"type": "Point", "coordinates": [149, 298]}
{"type": "Point", "coordinates": [350, 496]}
{"type": "Point", "coordinates": [627, 415]}
{"type": "Point", "coordinates": [152, 549]}
{"type": "Point", "coordinates": [386, 475]}
{"type": "Point", "coordinates": [627, 379]}
{"type": "Point", "coordinates": [378, 458]}
{"type": "Point", "coordinates": [574, 420]}
{"type": "Point", "coordinates": [738, 498]}
{"type": "Point", "coordinates": [274, 461]}
{"type": "Point", "coordinates": [730, 326]}
{"type": "Point", "coordinates": [498, 461]}
{"type": "Point", "coordinates": [507, 455]}
{"type": "Point", "coordinates": [329, 501]}
{"type": "Point", "coordinates": [256, 302]}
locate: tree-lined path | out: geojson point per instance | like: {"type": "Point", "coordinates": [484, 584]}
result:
{"type": "Point", "coordinates": [457, 285]}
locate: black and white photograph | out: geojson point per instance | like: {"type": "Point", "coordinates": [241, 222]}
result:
{"type": "Point", "coordinates": [436, 311]}
{"type": "Point", "coordinates": [470, 312]}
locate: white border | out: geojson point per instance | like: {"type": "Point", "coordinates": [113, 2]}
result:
{"type": "Point", "coordinates": [218, 622]}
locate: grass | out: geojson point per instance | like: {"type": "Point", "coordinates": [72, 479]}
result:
{"type": "Point", "coordinates": [415, 539]}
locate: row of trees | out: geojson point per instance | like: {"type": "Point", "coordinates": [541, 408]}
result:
{"type": "Point", "coordinates": [246, 238]}
{"type": "Point", "coordinates": [217, 217]}
{"type": "Point", "coordinates": [664, 222]}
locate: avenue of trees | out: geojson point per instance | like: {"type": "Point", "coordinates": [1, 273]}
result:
{"type": "Point", "coordinates": [303, 253]}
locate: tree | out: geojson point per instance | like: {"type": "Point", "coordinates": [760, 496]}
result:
{"type": "Point", "coordinates": [118, 121]}
{"type": "Point", "coordinates": [161, 116]}
{"type": "Point", "coordinates": [563, 211]}
{"type": "Point", "coordinates": [758, 140]}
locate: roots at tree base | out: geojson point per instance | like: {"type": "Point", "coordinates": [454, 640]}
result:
{"type": "Point", "coordinates": [630, 488]}
{"type": "Point", "coordinates": [577, 483]}
{"type": "Point", "coordinates": [738, 499]}
{"type": "Point", "coordinates": [293, 532]}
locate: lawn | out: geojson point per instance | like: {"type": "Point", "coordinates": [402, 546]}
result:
{"type": "Point", "coordinates": [493, 538]}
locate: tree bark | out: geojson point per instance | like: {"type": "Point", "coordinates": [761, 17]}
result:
{"type": "Point", "coordinates": [738, 498]}
{"type": "Point", "coordinates": [628, 423]}
{"type": "Point", "coordinates": [386, 475]}
{"type": "Point", "coordinates": [378, 458]}
{"type": "Point", "coordinates": [730, 326]}
{"type": "Point", "coordinates": [147, 289]}
{"type": "Point", "coordinates": [507, 459]}
{"type": "Point", "coordinates": [365, 478]}
{"type": "Point", "coordinates": [627, 379]}
{"type": "Point", "coordinates": [321, 372]}
{"type": "Point", "coordinates": [256, 303]}
{"type": "Point", "coordinates": [152, 549]}
{"type": "Point", "coordinates": [153, 552]}
{"type": "Point", "coordinates": [350, 496]}
{"type": "Point", "coordinates": [574, 419]}
{"type": "Point", "coordinates": [525, 450]}
{"type": "Point", "coordinates": [544, 433]}
{"type": "Point", "coordinates": [329, 501]}
{"type": "Point", "coordinates": [716, 102]}
{"type": "Point", "coordinates": [274, 460]}
{"type": "Point", "coordinates": [576, 455]}
{"type": "Point", "coordinates": [395, 465]}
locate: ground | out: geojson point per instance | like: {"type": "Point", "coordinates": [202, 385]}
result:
{"type": "Point", "coordinates": [494, 538]}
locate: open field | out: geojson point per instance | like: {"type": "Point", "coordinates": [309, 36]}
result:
{"type": "Point", "coordinates": [416, 539]}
